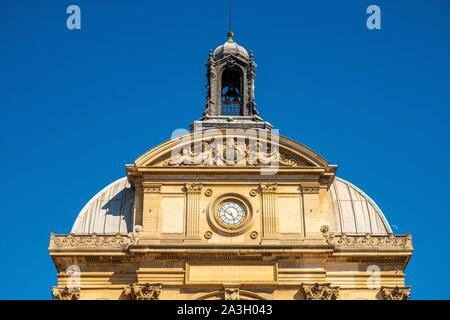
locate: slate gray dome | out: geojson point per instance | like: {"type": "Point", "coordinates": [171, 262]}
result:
{"type": "Point", "coordinates": [111, 211]}
{"type": "Point", "coordinates": [230, 47]}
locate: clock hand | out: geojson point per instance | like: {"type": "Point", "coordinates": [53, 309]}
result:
{"type": "Point", "coordinates": [228, 215]}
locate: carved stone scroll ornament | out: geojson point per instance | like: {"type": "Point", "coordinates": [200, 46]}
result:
{"type": "Point", "coordinates": [269, 188]}
{"type": "Point", "coordinates": [65, 293]}
{"type": "Point", "coordinates": [194, 188]}
{"type": "Point", "coordinates": [231, 63]}
{"type": "Point", "coordinates": [395, 293]}
{"type": "Point", "coordinates": [229, 153]}
{"type": "Point", "coordinates": [143, 291]}
{"type": "Point", "coordinates": [96, 241]}
{"type": "Point", "coordinates": [321, 292]}
{"type": "Point", "coordinates": [366, 241]}
{"type": "Point", "coordinates": [231, 293]}
{"type": "Point", "coordinates": [260, 156]}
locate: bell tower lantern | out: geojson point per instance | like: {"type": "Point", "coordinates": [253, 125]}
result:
{"type": "Point", "coordinates": [230, 89]}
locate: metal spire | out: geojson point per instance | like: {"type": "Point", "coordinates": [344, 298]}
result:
{"type": "Point", "coordinates": [230, 33]}
{"type": "Point", "coordinates": [230, 17]}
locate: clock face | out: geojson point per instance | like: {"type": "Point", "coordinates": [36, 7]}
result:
{"type": "Point", "coordinates": [231, 213]}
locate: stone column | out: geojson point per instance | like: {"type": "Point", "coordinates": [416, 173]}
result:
{"type": "Point", "coordinates": [193, 192]}
{"type": "Point", "coordinates": [270, 224]}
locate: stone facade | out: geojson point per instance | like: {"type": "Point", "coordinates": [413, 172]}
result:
{"type": "Point", "coordinates": [231, 211]}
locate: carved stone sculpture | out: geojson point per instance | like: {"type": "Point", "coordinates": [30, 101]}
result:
{"type": "Point", "coordinates": [231, 293]}
{"type": "Point", "coordinates": [320, 292]}
{"type": "Point", "coordinates": [395, 293]}
{"type": "Point", "coordinates": [366, 241]}
{"type": "Point", "coordinates": [144, 291]}
{"type": "Point", "coordinates": [96, 241]}
{"type": "Point", "coordinates": [65, 293]}
{"type": "Point", "coordinates": [229, 153]}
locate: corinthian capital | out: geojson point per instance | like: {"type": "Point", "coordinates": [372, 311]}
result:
{"type": "Point", "coordinates": [152, 188]}
{"type": "Point", "coordinates": [194, 188]}
{"type": "Point", "coordinates": [143, 291]}
{"type": "Point", "coordinates": [395, 293]}
{"type": "Point", "coordinates": [321, 292]}
{"type": "Point", "coordinates": [271, 187]}
{"type": "Point", "coordinates": [65, 293]}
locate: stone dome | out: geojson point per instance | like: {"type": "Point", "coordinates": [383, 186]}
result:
{"type": "Point", "coordinates": [230, 47]}
{"type": "Point", "coordinates": [351, 211]}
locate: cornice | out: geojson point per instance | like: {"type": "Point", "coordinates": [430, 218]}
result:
{"type": "Point", "coordinates": [126, 249]}
{"type": "Point", "coordinates": [234, 169]}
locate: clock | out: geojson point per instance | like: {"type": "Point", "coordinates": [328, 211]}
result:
{"type": "Point", "coordinates": [232, 213]}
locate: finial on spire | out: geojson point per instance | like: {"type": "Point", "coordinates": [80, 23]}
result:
{"type": "Point", "coordinates": [230, 35]}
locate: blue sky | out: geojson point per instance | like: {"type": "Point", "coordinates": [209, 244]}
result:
{"type": "Point", "coordinates": [76, 106]}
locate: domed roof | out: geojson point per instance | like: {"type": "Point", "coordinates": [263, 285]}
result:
{"type": "Point", "coordinates": [353, 211]}
{"type": "Point", "coordinates": [230, 47]}
{"type": "Point", "coordinates": [111, 211]}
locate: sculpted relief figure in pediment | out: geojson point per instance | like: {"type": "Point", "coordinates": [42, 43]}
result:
{"type": "Point", "coordinates": [231, 152]}
{"type": "Point", "coordinates": [251, 148]}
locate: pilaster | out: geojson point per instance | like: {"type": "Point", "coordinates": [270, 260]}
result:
{"type": "Point", "coordinates": [193, 192]}
{"type": "Point", "coordinates": [270, 223]}
{"type": "Point", "coordinates": [312, 209]}
{"type": "Point", "coordinates": [151, 215]}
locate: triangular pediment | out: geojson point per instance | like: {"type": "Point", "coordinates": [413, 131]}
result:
{"type": "Point", "coordinates": [231, 59]}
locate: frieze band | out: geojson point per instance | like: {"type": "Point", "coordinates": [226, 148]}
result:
{"type": "Point", "coordinates": [366, 241]}
{"type": "Point", "coordinates": [229, 154]}
{"type": "Point", "coordinates": [94, 241]}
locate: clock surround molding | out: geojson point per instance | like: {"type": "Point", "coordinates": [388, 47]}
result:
{"type": "Point", "coordinates": [218, 226]}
